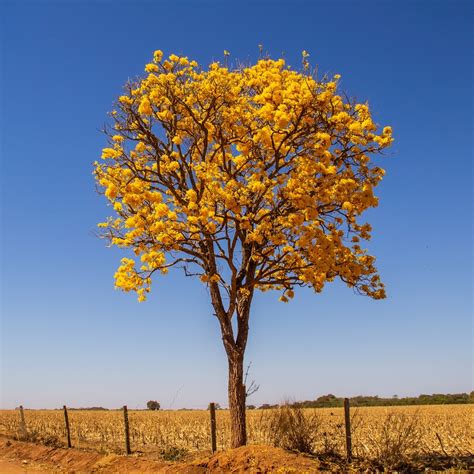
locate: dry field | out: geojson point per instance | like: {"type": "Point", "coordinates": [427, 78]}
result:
{"type": "Point", "coordinates": [444, 430]}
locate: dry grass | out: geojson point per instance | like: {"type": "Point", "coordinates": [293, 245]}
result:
{"type": "Point", "coordinates": [379, 433]}
{"type": "Point", "coordinates": [291, 427]}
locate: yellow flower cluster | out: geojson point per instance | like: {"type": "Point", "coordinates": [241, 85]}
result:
{"type": "Point", "coordinates": [259, 164]}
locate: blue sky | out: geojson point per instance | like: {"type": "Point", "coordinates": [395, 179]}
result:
{"type": "Point", "coordinates": [69, 337]}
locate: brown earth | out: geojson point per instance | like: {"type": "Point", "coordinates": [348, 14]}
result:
{"type": "Point", "coordinates": [10, 467]}
{"type": "Point", "coordinates": [19, 457]}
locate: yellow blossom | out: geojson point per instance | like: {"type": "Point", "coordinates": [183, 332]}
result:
{"type": "Point", "coordinates": [158, 55]}
{"type": "Point", "coordinates": [262, 153]}
{"type": "Point", "coordinates": [145, 107]}
{"type": "Point", "coordinates": [151, 68]}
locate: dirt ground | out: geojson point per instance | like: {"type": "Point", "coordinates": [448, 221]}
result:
{"type": "Point", "coordinates": [23, 457]}
{"type": "Point", "coordinates": [10, 467]}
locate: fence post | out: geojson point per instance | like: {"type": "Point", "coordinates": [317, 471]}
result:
{"type": "Point", "coordinates": [68, 431]}
{"type": "Point", "coordinates": [212, 409]}
{"type": "Point", "coordinates": [347, 419]}
{"type": "Point", "coordinates": [127, 430]}
{"type": "Point", "coordinates": [23, 431]}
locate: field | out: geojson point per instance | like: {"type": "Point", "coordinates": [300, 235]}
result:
{"type": "Point", "coordinates": [377, 432]}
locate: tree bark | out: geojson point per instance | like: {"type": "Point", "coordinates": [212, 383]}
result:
{"type": "Point", "coordinates": [237, 400]}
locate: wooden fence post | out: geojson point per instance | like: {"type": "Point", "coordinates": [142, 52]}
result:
{"type": "Point", "coordinates": [23, 431]}
{"type": "Point", "coordinates": [347, 419]}
{"type": "Point", "coordinates": [127, 430]}
{"type": "Point", "coordinates": [68, 430]}
{"type": "Point", "coordinates": [212, 409]}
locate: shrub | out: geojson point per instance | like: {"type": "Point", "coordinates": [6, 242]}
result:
{"type": "Point", "coordinates": [395, 438]}
{"type": "Point", "coordinates": [289, 427]}
{"type": "Point", "coordinates": [173, 453]}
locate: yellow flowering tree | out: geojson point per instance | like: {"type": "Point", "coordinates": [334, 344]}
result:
{"type": "Point", "coordinates": [253, 177]}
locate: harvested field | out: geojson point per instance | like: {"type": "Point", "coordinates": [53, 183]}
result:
{"type": "Point", "coordinates": [385, 435]}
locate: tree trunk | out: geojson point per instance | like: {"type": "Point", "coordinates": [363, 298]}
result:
{"type": "Point", "coordinates": [237, 400]}
{"type": "Point", "coordinates": [235, 349]}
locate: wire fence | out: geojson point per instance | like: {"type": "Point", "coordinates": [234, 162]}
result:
{"type": "Point", "coordinates": [360, 432]}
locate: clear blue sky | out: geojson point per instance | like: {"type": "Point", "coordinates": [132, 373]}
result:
{"type": "Point", "coordinates": [69, 337]}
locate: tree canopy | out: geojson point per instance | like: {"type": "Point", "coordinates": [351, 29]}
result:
{"type": "Point", "coordinates": [259, 167]}
{"type": "Point", "coordinates": [153, 405]}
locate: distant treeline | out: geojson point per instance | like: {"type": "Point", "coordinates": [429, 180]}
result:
{"type": "Point", "coordinates": [93, 408]}
{"type": "Point", "coordinates": [329, 401]}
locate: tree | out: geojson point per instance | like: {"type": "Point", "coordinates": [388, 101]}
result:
{"type": "Point", "coordinates": [216, 406]}
{"type": "Point", "coordinates": [249, 177]}
{"type": "Point", "coordinates": [153, 405]}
